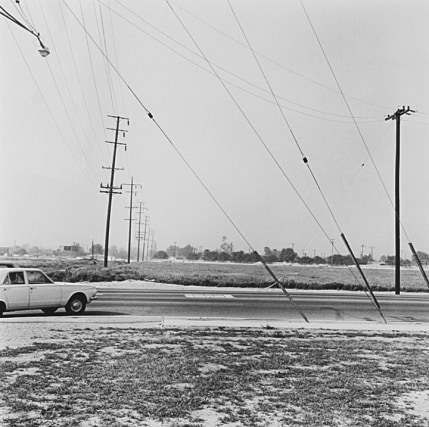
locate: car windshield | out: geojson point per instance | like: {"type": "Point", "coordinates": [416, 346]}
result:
{"type": "Point", "coordinates": [37, 277]}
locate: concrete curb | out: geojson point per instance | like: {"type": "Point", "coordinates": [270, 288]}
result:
{"type": "Point", "coordinates": [190, 322]}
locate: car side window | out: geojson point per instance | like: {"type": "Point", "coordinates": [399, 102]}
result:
{"type": "Point", "coordinates": [16, 278]}
{"type": "Point", "coordinates": [37, 277]}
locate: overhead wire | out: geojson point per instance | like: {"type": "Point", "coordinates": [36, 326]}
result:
{"type": "Point", "coordinates": [80, 85]}
{"type": "Point", "coordinates": [262, 55]}
{"type": "Point", "coordinates": [32, 31]}
{"type": "Point", "coordinates": [72, 125]}
{"type": "Point", "coordinates": [94, 80]}
{"type": "Point", "coordinates": [58, 127]}
{"type": "Point", "coordinates": [249, 122]}
{"type": "Point", "coordinates": [373, 299]}
{"type": "Point", "coordinates": [20, 11]}
{"type": "Point", "coordinates": [115, 51]}
{"type": "Point", "coordinates": [286, 121]}
{"type": "Point", "coordinates": [288, 125]}
{"type": "Point", "coordinates": [107, 68]}
{"type": "Point", "coordinates": [193, 171]}
{"type": "Point", "coordinates": [362, 138]}
{"type": "Point", "coordinates": [250, 83]}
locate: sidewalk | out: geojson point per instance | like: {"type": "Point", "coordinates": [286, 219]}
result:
{"type": "Point", "coordinates": [18, 332]}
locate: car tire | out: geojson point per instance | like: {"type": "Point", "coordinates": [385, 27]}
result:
{"type": "Point", "coordinates": [49, 310]}
{"type": "Point", "coordinates": [76, 304]}
{"type": "Point", "coordinates": [2, 309]}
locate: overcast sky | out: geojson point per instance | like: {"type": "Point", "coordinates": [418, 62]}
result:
{"type": "Point", "coordinates": [54, 115]}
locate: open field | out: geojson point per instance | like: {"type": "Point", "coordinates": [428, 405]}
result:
{"type": "Point", "coordinates": [228, 274]}
{"type": "Point", "coordinates": [216, 377]}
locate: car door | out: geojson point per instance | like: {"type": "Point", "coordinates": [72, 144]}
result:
{"type": "Point", "coordinates": [16, 291]}
{"type": "Point", "coordinates": [43, 292]}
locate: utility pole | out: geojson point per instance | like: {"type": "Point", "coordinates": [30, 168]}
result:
{"type": "Point", "coordinates": [144, 236]}
{"type": "Point", "coordinates": [332, 251]}
{"type": "Point", "coordinates": [111, 189]}
{"type": "Point", "coordinates": [139, 235]}
{"type": "Point", "coordinates": [130, 219]}
{"type": "Point", "coordinates": [149, 232]}
{"type": "Point", "coordinates": [397, 116]}
{"type": "Point", "coordinates": [361, 252]}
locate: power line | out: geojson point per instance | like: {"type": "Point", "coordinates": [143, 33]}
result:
{"type": "Point", "coordinates": [150, 115]}
{"type": "Point", "coordinates": [60, 132]}
{"type": "Point", "coordinates": [44, 51]}
{"type": "Point", "coordinates": [262, 55]}
{"type": "Point", "coordinates": [229, 72]}
{"type": "Point", "coordinates": [79, 81]}
{"type": "Point", "coordinates": [268, 150]}
{"type": "Point", "coordinates": [286, 121]}
{"type": "Point", "coordinates": [92, 67]}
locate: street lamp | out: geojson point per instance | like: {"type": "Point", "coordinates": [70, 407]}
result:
{"type": "Point", "coordinates": [44, 51]}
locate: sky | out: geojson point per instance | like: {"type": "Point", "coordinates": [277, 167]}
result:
{"type": "Point", "coordinates": [241, 91]}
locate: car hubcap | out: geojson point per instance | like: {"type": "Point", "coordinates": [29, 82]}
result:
{"type": "Point", "coordinates": [76, 305]}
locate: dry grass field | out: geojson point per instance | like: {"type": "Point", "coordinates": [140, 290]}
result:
{"type": "Point", "coordinates": [229, 274]}
{"type": "Point", "coordinates": [216, 377]}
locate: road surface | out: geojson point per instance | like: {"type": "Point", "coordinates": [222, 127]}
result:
{"type": "Point", "coordinates": [260, 304]}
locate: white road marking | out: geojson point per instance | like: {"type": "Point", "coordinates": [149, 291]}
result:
{"type": "Point", "coordinates": [208, 296]}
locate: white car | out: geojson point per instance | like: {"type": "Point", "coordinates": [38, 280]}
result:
{"type": "Point", "coordinates": [31, 288]}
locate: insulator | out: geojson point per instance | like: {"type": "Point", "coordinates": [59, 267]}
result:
{"type": "Point", "coordinates": [305, 160]}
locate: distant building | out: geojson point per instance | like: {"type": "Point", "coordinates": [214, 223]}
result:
{"type": "Point", "coordinates": [70, 250]}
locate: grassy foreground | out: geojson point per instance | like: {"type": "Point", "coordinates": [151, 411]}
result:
{"type": "Point", "coordinates": [216, 377]}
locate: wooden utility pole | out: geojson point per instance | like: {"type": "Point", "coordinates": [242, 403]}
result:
{"type": "Point", "coordinates": [111, 189]}
{"type": "Point", "coordinates": [139, 233]}
{"type": "Point", "coordinates": [397, 116]}
{"type": "Point", "coordinates": [130, 219]}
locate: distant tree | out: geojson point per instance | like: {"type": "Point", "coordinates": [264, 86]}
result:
{"type": "Point", "coordinates": [171, 251]}
{"type": "Point", "coordinates": [210, 255]}
{"type": "Point", "coordinates": [319, 260]}
{"type": "Point", "coordinates": [423, 257]}
{"type": "Point", "coordinates": [193, 256]}
{"type": "Point", "coordinates": [364, 260]}
{"type": "Point", "coordinates": [338, 259]}
{"type": "Point", "coordinates": [160, 255]}
{"type": "Point", "coordinates": [237, 256]}
{"type": "Point", "coordinates": [390, 260]}
{"type": "Point", "coordinates": [223, 256]}
{"type": "Point", "coordinates": [287, 255]}
{"type": "Point", "coordinates": [98, 249]}
{"type": "Point", "coordinates": [186, 251]}
{"type": "Point", "coordinates": [269, 255]}
{"type": "Point", "coordinates": [305, 260]}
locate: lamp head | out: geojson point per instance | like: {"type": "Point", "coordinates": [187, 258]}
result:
{"type": "Point", "coordinates": [44, 51]}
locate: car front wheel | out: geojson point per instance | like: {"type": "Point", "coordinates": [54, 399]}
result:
{"type": "Point", "coordinates": [76, 305]}
{"type": "Point", "coordinates": [2, 309]}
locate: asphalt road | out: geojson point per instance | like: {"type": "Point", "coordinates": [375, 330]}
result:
{"type": "Point", "coordinates": [261, 305]}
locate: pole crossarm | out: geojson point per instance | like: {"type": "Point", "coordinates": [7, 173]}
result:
{"type": "Point", "coordinates": [400, 112]}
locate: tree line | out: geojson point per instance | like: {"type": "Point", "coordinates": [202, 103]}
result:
{"type": "Point", "coordinates": [225, 253]}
